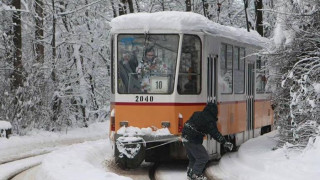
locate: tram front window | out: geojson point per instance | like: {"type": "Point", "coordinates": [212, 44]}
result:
{"type": "Point", "coordinates": [146, 63]}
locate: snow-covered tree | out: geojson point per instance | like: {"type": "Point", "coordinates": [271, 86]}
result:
{"type": "Point", "coordinates": [296, 57]}
{"type": "Point", "coordinates": [65, 59]}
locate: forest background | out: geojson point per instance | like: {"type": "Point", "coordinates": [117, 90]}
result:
{"type": "Point", "coordinates": [55, 58]}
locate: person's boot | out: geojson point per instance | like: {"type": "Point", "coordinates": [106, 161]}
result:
{"type": "Point", "coordinates": [198, 177]}
{"type": "Point", "coordinates": [189, 173]}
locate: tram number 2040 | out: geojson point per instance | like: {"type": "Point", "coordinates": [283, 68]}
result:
{"type": "Point", "coordinates": [144, 98]}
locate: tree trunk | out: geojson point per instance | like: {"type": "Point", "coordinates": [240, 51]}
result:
{"type": "Point", "coordinates": [122, 7]}
{"type": "Point", "coordinates": [63, 7]}
{"type": "Point", "coordinates": [137, 4]}
{"type": "Point", "coordinates": [259, 20]}
{"type": "Point", "coordinates": [245, 2]}
{"type": "Point", "coordinates": [39, 31]}
{"type": "Point", "coordinates": [162, 4]}
{"type": "Point", "coordinates": [82, 84]}
{"type": "Point", "coordinates": [92, 82]}
{"type": "Point", "coordinates": [188, 5]}
{"type": "Point", "coordinates": [131, 10]}
{"type": "Point", "coordinates": [113, 9]}
{"type": "Point", "coordinates": [56, 102]}
{"type": "Point", "coordinates": [17, 41]}
{"type": "Point", "coordinates": [205, 7]}
{"type": "Point", "coordinates": [94, 99]}
{"type": "Point", "coordinates": [53, 41]}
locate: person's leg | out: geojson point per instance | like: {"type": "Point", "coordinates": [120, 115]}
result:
{"type": "Point", "coordinates": [201, 158]}
{"type": "Point", "coordinates": [191, 159]}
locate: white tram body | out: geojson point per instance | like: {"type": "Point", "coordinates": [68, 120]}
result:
{"type": "Point", "coordinates": [197, 61]}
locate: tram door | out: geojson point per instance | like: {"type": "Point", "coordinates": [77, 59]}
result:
{"type": "Point", "coordinates": [212, 94]}
{"type": "Point", "coordinates": [250, 99]}
{"type": "Point", "coordinates": [211, 82]}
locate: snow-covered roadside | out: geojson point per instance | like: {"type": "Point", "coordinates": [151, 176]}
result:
{"type": "Point", "coordinates": [256, 160]}
{"type": "Point", "coordinates": [81, 161]}
{"type": "Point", "coordinates": [39, 142]}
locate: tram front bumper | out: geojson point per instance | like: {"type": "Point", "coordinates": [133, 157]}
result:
{"type": "Point", "coordinates": [156, 148]}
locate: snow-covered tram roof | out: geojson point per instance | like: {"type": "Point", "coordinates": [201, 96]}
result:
{"type": "Point", "coordinates": [182, 22]}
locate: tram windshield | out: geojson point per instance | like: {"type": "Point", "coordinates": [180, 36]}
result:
{"type": "Point", "coordinates": [146, 63]}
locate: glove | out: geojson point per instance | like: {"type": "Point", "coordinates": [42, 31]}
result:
{"type": "Point", "coordinates": [228, 146]}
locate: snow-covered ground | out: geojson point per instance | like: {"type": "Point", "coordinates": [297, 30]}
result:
{"type": "Point", "coordinates": [256, 160]}
{"type": "Point", "coordinates": [88, 160]}
{"type": "Point", "coordinates": [41, 142]}
{"type": "Point", "coordinates": [37, 141]}
{"type": "Point", "coordinates": [81, 161]}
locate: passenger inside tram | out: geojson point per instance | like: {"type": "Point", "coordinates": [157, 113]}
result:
{"type": "Point", "coordinates": [127, 71]}
{"type": "Point", "coordinates": [150, 66]}
{"type": "Point", "coordinates": [191, 86]}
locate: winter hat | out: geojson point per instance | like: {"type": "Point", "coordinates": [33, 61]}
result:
{"type": "Point", "coordinates": [212, 109]}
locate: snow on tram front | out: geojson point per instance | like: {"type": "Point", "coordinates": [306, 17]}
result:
{"type": "Point", "coordinates": [160, 76]}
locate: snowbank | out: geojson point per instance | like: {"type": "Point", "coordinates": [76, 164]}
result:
{"type": "Point", "coordinates": [256, 160]}
{"type": "Point", "coordinates": [38, 142]}
{"type": "Point", "coordinates": [5, 125]}
{"type": "Point", "coordinates": [131, 131]}
{"type": "Point", "coordinates": [182, 21]}
{"type": "Point", "coordinates": [41, 142]}
{"type": "Point", "coordinates": [82, 162]}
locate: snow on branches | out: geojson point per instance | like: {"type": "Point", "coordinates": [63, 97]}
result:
{"type": "Point", "coordinates": [298, 67]}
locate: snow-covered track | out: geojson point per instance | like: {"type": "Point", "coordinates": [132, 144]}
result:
{"type": "Point", "coordinates": [29, 174]}
{"type": "Point", "coordinates": [24, 156]}
{"type": "Point", "coordinates": [13, 168]}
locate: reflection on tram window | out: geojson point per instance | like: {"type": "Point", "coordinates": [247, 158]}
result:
{"type": "Point", "coordinates": [261, 79]}
{"type": "Point", "coordinates": [226, 75]}
{"type": "Point", "coordinates": [146, 63]}
{"type": "Point", "coordinates": [189, 81]}
{"type": "Point", "coordinates": [238, 69]}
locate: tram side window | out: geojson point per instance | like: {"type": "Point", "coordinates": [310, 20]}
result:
{"type": "Point", "coordinates": [261, 79]}
{"type": "Point", "coordinates": [226, 75]}
{"type": "Point", "coordinates": [238, 67]}
{"type": "Point", "coordinates": [189, 80]}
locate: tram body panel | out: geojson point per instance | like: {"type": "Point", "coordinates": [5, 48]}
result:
{"type": "Point", "coordinates": [263, 113]}
{"type": "Point", "coordinates": [232, 117]}
{"type": "Point", "coordinates": [145, 115]}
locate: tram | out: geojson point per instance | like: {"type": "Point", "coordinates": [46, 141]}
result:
{"type": "Point", "coordinates": [167, 65]}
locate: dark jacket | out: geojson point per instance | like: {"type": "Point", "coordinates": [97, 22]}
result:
{"type": "Point", "coordinates": [201, 124]}
{"type": "Point", "coordinates": [130, 84]}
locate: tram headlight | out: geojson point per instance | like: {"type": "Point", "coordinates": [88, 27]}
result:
{"type": "Point", "coordinates": [113, 123]}
{"type": "Point", "coordinates": [180, 123]}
